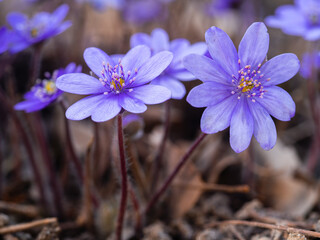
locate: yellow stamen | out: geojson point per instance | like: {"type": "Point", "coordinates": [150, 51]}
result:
{"type": "Point", "coordinates": [50, 87]}
{"type": "Point", "coordinates": [34, 32]}
{"type": "Point", "coordinates": [118, 85]}
{"type": "Point", "coordinates": [245, 85]}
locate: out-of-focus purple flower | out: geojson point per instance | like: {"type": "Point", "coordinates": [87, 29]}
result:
{"type": "Point", "coordinates": [158, 41]}
{"type": "Point", "coordinates": [121, 85]}
{"type": "Point", "coordinates": [103, 4]}
{"type": "Point", "coordinates": [309, 61]}
{"type": "Point", "coordinates": [238, 91]}
{"type": "Point", "coordinates": [133, 126]}
{"type": "Point", "coordinates": [4, 39]}
{"type": "Point", "coordinates": [301, 19]}
{"type": "Point", "coordinates": [45, 92]}
{"type": "Point", "coordinates": [141, 11]}
{"type": "Point", "coordinates": [216, 7]}
{"type": "Point", "coordinates": [42, 26]}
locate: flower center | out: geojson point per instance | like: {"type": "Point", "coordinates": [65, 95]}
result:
{"type": "Point", "coordinates": [247, 83]}
{"type": "Point", "coordinates": [45, 90]}
{"type": "Point", "coordinates": [49, 87]}
{"type": "Point", "coordinates": [34, 32]}
{"type": "Point", "coordinates": [115, 79]}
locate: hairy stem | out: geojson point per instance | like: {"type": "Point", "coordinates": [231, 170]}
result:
{"type": "Point", "coordinates": [124, 181]}
{"type": "Point", "coordinates": [158, 159]}
{"type": "Point", "coordinates": [76, 162]}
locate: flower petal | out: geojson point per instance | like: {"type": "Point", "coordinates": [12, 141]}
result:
{"type": "Point", "coordinates": [79, 83]}
{"type": "Point", "coordinates": [84, 107]}
{"type": "Point", "coordinates": [135, 58]}
{"type": "Point", "coordinates": [107, 109]}
{"type": "Point", "coordinates": [131, 104]}
{"type": "Point", "coordinates": [16, 20]}
{"type": "Point", "coordinates": [217, 117]}
{"type": "Point", "coordinates": [160, 40]}
{"type": "Point", "coordinates": [59, 14]}
{"type": "Point", "coordinates": [151, 94]}
{"type": "Point", "coordinates": [241, 126]}
{"type": "Point", "coordinates": [153, 68]}
{"type": "Point", "coordinates": [264, 128]}
{"type": "Point", "coordinates": [31, 106]}
{"type": "Point", "coordinates": [222, 50]}
{"type": "Point", "coordinates": [313, 34]}
{"type": "Point", "coordinates": [206, 69]}
{"type": "Point", "coordinates": [177, 89]}
{"type": "Point", "coordinates": [95, 57]}
{"type": "Point", "coordinates": [280, 69]}
{"type": "Point", "coordinates": [140, 39]}
{"type": "Point", "coordinates": [254, 45]}
{"type": "Point", "coordinates": [208, 93]}
{"type": "Point", "coordinates": [278, 103]}
{"type": "Point", "coordinates": [182, 74]}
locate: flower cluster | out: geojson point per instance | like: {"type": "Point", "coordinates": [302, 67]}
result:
{"type": "Point", "coordinates": [301, 19]}
{"type": "Point", "coordinates": [45, 92]}
{"type": "Point", "coordinates": [43, 25]}
{"type": "Point", "coordinates": [120, 85]}
{"type": "Point", "coordinates": [239, 90]}
{"type": "Point", "coordinates": [159, 41]}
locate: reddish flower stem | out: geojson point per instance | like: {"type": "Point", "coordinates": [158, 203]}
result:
{"type": "Point", "coordinates": [75, 160]}
{"type": "Point", "coordinates": [158, 159]}
{"type": "Point", "coordinates": [314, 106]}
{"type": "Point", "coordinates": [175, 172]}
{"type": "Point", "coordinates": [136, 207]}
{"type": "Point", "coordinates": [28, 146]}
{"type": "Point", "coordinates": [70, 147]}
{"type": "Point", "coordinates": [35, 63]}
{"type": "Point", "coordinates": [124, 181]}
{"type": "Point", "coordinates": [56, 188]}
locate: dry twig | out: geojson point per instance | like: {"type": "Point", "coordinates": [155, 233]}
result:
{"type": "Point", "coordinates": [26, 210]}
{"type": "Point", "coordinates": [266, 225]}
{"type": "Point", "coordinates": [25, 226]}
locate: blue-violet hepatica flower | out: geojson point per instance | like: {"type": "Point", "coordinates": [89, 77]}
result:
{"type": "Point", "coordinates": [300, 19]}
{"type": "Point", "coordinates": [238, 91]}
{"type": "Point", "coordinates": [309, 61]}
{"type": "Point", "coordinates": [120, 85]}
{"type": "Point", "coordinates": [45, 92]}
{"type": "Point", "coordinates": [42, 26]}
{"type": "Point", "coordinates": [4, 39]}
{"type": "Point", "coordinates": [158, 41]}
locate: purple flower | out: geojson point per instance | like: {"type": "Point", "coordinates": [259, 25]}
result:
{"type": "Point", "coordinates": [45, 92]}
{"type": "Point", "coordinates": [4, 39]}
{"type": "Point", "coordinates": [159, 41]}
{"type": "Point", "coordinates": [141, 11]}
{"type": "Point", "coordinates": [120, 85]}
{"type": "Point", "coordinates": [238, 91]}
{"type": "Point", "coordinates": [301, 19]}
{"type": "Point", "coordinates": [217, 7]}
{"type": "Point", "coordinates": [309, 61]}
{"type": "Point", "coordinates": [41, 27]}
{"type": "Point", "coordinates": [103, 4]}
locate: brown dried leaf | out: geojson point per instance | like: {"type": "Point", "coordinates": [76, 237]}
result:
{"type": "Point", "coordinates": [183, 199]}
